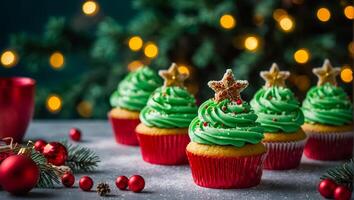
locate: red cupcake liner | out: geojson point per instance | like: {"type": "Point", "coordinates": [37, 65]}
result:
{"type": "Point", "coordinates": [329, 146]}
{"type": "Point", "coordinates": [283, 155]}
{"type": "Point", "coordinates": [124, 130]}
{"type": "Point", "coordinates": [164, 149]}
{"type": "Point", "coordinates": [226, 172]}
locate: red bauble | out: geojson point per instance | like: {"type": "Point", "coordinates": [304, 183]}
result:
{"type": "Point", "coordinates": [18, 174]}
{"type": "Point", "coordinates": [75, 134]}
{"type": "Point", "coordinates": [342, 193]}
{"type": "Point", "coordinates": [55, 153]}
{"type": "Point", "coordinates": [68, 179]}
{"type": "Point", "coordinates": [327, 187]}
{"type": "Point", "coordinates": [122, 182]}
{"type": "Point", "coordinates": [39, 145]}
{"type": "Point", "coordinates": [86, 183]}
{"type": "Point", "coordinates": [136, 183]}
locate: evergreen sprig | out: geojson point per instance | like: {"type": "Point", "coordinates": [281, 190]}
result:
{"type": "Point", "coordinates": [81, 159]}
{"type": "Point", "coordinates": [48, 176]}
{"type": "Point", "coordinates": [342, 175]}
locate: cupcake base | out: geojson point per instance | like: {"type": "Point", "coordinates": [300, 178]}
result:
{"type": "Point", "coordinates": [329, 146]}
{"type": "Point", "coordinates": [163, 146]}
{"type": "Point", "coordinates": [226, 172]}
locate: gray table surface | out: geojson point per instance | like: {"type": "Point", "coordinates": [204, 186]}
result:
{"type": "Point", "coordinates": [162, 182]}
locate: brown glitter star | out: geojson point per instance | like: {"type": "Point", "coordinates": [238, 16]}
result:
{"type": "Point", "coordinates": [326, 73]}
{"type": "Point", "coordinates": [228, 87]}
{"type": "Point", "coordinates": [173, 77]}
{"type": "Point", "coordinates": [275, 77]}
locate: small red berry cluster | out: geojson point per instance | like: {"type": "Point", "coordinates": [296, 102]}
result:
{"type": "Point", "coordinates": [329, 189]}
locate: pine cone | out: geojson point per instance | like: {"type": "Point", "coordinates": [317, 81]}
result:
{"type": "Point", "coordinates": [103, 189]}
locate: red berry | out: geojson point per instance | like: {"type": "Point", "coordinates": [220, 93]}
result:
{"type": "Point", "coordinates": [75, 134]}
{"type": "Point", "coordinates": [122, 182]}
{"type": "Point", "coordinates": [223, 108]}
{"type": "Point", "coordinates": [39, 145]}
{"type": "Point", "coordinates": [205, 123]}
{"type": "Point", "coordinates": [342, 193]}
{"type": "Point", "coordinates": [326, 188]}
{"type": "Point", "coordinates": [68, 179]}
{"type": "Point", "coordinates": [239, 101]}
{"type": "Point", "coordinates": [86, 183]}
{"type": "Point", "coordinates": [136, 183]}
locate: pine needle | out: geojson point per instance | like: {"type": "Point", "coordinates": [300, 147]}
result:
{"type": "Point", "coordinates": [342, 175]}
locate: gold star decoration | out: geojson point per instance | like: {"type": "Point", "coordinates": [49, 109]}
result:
{"type": "Point", "coordinates": [275, 77]}
{"type": "Point", "coordinates": [326, 73]}
{"type": "Point", "coordinates": [173, 77]}
{"type": "Point", "coordinates": [228, 87]}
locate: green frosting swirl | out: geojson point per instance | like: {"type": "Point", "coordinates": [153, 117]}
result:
{"type": "Point", "coordinates": [134, 90]}
{"type": "Point", "coordinates": [169, 107]}
{"type": "Point", "coordinates": [277, 109]}
{"type": "Point", "coordinates": [327, 104]}
{"type": "Point", "coordinates": [225, 123]}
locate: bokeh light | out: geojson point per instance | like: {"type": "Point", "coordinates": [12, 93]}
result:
{"type": "Point", "coordinates": [279, 13]}
{"type": "Point", "coordinates": [323, 14]}
{"type": "Point", "coordinates": [303, 82]}
{"type": "Point", "coordinates": [90, 8]}
{"type": "Point", "coordinates": [346, 74]}
{"type": "Point", "coordinates": [84, 109]}
{"type": "Point", "coordinates": [227, 21]}
{"type": "Point", "coordinates": [351, 48]}
{"type": "Point", "coordinates": [151, 50]}
{"type": "Point", "coordinates": [286, 23]}
{"type": "Point", "coordinates": [56, 60]}
{"type": "Point", "coordinates": [54, 103]}
{"type": "Point", "coordinates": [251, 43]}
{"type": "Point", "coordinates": [183, 69]}
{"type": "Point", "coordinates": [302, 56]}
{"type": "Point", "coordinates": [134, 65]}
{"type": "Point", "coordinates": [349, 12]}
{"type": "Point", "coordinates": [135, 43]}
{"type": "Point", "coordinates": [9, 58]}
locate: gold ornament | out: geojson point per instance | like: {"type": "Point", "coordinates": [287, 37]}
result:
{"type": "Point", "coordinates": [173, 77]}
{"type": "Point", "coordinates": [228, 87]}
{"type": "Point", "coordinates": [326, 73]}
{"type": "Point", "coordinates": [275, 77]}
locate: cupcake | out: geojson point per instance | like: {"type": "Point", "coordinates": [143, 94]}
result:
{"type": "Point", "coordinates": [328, 118]}
{"type": "Point", "coordinates": [163, 131]}
{"type": "Point", "coordinates": [281, 117]}
{"type": "Point", "coordinates": [226, 149]}
{"type": "Point", "coordinates": [131, 96]}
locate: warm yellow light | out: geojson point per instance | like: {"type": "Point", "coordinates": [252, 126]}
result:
{"type": "Point", "coordinates": [251, 43]}
{"type": "Point", "coordinates": [227, 21]}
{"type": "Point", "coordinates": [84, 108]}
{"type": "Point", "coordinates": [323, 14]}
{"type": "Point", "coordinates": [151, 50]}
{"type": "Point", "coordinates": [302, 56]}
{"type": "Point", "coordinates": [135, 43]}
{"type": "Point", "coordinates": [351, 48]}
{"type": "Point", "coordinates": [90, 8]}
{"type": "Point", "coordinates": [183, 69]}
{"type": "Point", "coordinates": [134, 65]}
{"type": "Point", "coordinates": [349, 12]}
{"type": "Point", "coordinates": [8, 58]}
{"type": "Point", "coordinates": [346, 74]}
{"type": "Point", "coordinates": [279, 13]}
{"type": "Point", "coordinates": [56, 60]}
{"type": "Point", "coordinates": [54, 103]}
{"type": "Point", "coordinates": [286, 23]}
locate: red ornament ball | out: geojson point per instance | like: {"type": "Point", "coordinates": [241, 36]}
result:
{"type": "Point", "coordinates": [68, 179]}
{"type": "Point", "coordinates": [86, 183]}
{"type": "Point", "coordinates": [327, 187]}
{"type": "Point", "coordinates": [18, 174]}
{"type": "Point", "coordinates": [122, 182]}
{"type": "Point", "coordinates": [39, 145]}
{"type": "Point", "coordinates": [75, 134]}
{"type": "Point", "coordinates": [342, 193]}
{"type": "Point", "coordinates": [136, 183]}
{"type": "Point", "coordinates": [55, 153]}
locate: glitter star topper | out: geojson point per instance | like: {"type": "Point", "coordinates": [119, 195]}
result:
{"type": "Point", "coordinates": [326, 73]}
{"type": "Point", "coordinates": [228, 87]}
{"type": "Point", "coordinates": [173, 77]}
{"type": "Point", "coordinates": [275, 77]}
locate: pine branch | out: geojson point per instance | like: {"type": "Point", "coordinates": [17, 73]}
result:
{"type": "Point", "coordinates": [343, 174]}
{"type": "Point", "coordinates": [48, 177]}
{"type": "Point", "coordinates": [81, 159]}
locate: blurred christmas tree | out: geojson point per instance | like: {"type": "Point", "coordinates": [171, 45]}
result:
{"type": "Point", "coordinates": [204, 37]}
